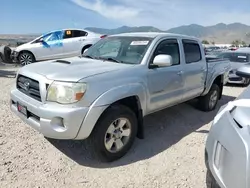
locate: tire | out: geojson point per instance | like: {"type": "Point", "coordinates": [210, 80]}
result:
{"type": "Point", "coordinates": [205, 104]}
{"type": "Point", "coordinates": [246, 82]}
{"type": "Point", "coordinates": [1, 57]}
{"type": "Point", "coordinates": [26, 58]}
{"type": "Point", "coordinates": [210, 181]}
{"type": "Point", "coordinates": [99, 141]}
{"type": "Point", "coordinates": [5, 53]}
{"type": "Point", "coordinates": [85, 47]}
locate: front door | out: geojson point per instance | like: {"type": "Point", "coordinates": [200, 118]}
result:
{"type": "Point", "coordinates": [165, 83]}
{"type": "Point", "coordinates": [51, 46]}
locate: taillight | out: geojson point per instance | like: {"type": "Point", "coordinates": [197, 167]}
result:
{"type": "Point", "coordinates": [103, 36]}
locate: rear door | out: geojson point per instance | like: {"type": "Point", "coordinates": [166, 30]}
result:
{"type": "Point", "coordinates": [72, 42]}
{"type": "Point", "coordinates": [195, 69]}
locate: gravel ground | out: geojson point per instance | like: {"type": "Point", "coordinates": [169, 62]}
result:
{"type": "Point", "coordinates": [171, 155]}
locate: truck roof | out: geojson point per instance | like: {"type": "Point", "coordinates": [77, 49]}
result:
{"type": "Point", "coordinates": [154, 35]}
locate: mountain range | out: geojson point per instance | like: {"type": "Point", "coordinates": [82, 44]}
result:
{"type": "Point", "coordinates": [219, 33]}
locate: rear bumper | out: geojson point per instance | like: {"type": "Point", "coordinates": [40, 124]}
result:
{"type": "Point", "coordinates": [228, 148]}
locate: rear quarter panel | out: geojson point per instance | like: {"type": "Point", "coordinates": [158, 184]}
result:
{"type": "Point", "coordinates": [215, 69]}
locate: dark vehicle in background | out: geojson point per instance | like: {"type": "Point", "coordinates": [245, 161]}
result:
{"type": "Point", "coordinates": [215, 52]}
{"type": "Point", "coordinates": [237, 58]}
{"type": "Point", "coordinates": [5, 52]}
{"type": "Point", "coordinates": [210, 49]}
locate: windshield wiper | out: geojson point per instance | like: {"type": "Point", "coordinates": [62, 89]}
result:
{"type": "Point", "coordinates": [111, 59]}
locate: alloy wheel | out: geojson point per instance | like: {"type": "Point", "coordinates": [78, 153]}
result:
{"type": "Point", "coordinates": [25, 59]}
{"type": "Point", "coordinates": [117, 135]}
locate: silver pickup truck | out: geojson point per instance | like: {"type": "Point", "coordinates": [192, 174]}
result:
{"type": "Point", "coordinates": [104, 95]}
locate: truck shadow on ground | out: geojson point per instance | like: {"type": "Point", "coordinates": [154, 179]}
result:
{"type": "Point", "coordinates": [162, 130]}
{"type": "Point", "coordinates": [7, 73]}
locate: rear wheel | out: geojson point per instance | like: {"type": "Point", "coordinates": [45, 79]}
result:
{"type": "Point", "coordinates": [85, 48]}
{"type": "Point", "coordinates": [26, 58]}
{"type": "Point", "coordinates": [113, 134]}
{"type": "Point", "coordinates": [209, 101]}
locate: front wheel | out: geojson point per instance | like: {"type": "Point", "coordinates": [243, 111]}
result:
{"type": "Point", "coordinates": [113, 134]}
{"type": "Point", "coordinates": [209, 101]}
{"type": "Point", "coordinates": [26, 58]}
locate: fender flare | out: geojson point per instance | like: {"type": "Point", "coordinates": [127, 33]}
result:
{"type": "Point", "coordinates": [211, 82]}
{"type": "Point", "coordinates": [121, 92]}
{"type": "Point", "coordinates": [105, 100]}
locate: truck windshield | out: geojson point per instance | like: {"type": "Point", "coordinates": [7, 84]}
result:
{"type": "Point", "coordinates": [120, 49]}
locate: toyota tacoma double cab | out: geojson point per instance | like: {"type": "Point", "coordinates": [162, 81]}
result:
{"type": "Point", "coordinates": [103, 95]}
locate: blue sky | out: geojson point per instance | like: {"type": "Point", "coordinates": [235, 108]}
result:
{"type": "Point", "coordinates": [39, 16]}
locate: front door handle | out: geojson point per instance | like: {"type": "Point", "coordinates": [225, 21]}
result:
{"type": "Point", "coordinates": [180, 72]}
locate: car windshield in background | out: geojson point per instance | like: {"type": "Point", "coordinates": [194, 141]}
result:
{"type": "Point", "coordinates": [235, 57]}
{"type": "Point", "coordinates": [120, 49]}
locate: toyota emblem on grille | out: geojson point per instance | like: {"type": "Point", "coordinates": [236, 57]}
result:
{"type": "Point", "coordinates": [26, 85]}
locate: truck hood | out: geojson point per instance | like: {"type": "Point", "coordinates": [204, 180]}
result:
{"type": "Point", "coordinates": [71, 69]}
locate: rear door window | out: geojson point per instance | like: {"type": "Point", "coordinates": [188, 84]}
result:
{"type": "Point", "coordinates": [74, 34]}
{"type": "Point", "coordinates": [79, 33]}
{"type": "Point", "coordinates": [192, 51]}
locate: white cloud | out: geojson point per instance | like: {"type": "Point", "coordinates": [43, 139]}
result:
{"type": "Point", "coordinates": [164, 14]}
{"type": "Point", "coordinates": [116, 12]}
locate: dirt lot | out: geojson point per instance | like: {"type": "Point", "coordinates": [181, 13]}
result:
{"type": "Point", "coordinates": [171, 155]}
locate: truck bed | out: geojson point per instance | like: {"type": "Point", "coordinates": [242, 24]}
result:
{"type": "Point", "coordinates": [218, 64]}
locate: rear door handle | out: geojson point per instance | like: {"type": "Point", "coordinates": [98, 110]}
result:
{"type": "Point", "coordinates": [180, 72]}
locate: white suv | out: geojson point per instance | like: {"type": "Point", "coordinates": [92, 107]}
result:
{"type": "Point", "coordinates": [56, 44]}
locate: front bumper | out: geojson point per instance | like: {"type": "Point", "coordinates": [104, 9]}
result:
{"type": "Point", "coordinates": [14, 56]}
{"type": "Point", "coordinates": [54, 120]}
{"type": "Point", "coordinates": [234, 79]}
{"type": "Point", "coordinates": [228, 148]}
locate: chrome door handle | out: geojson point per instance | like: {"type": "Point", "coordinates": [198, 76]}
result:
{"type": "Point", "coordinates": [180, 72]}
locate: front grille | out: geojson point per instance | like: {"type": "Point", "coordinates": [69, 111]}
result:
{"type": "Point", "coordinates": [29, 87]}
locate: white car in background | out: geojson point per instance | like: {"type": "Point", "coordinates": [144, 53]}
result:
{"type": "Point", "coordinates": [56, 44]}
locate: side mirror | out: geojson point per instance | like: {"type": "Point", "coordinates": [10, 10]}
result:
{"type": "Point", "coordinates": [163, 61]}
{"type": "Point", "coordinates": [244, 71]}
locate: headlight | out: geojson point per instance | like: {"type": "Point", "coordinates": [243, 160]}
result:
{"type": "Point", "coordinates": [65, 92]}
{"type": "Point", "coordinates": [14, 53]}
